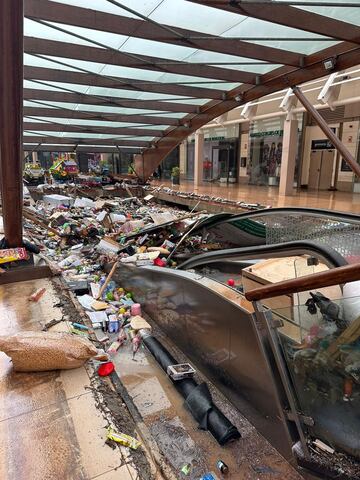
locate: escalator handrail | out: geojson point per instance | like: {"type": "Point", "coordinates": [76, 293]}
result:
{"type": "Point", "coordinates": [335, 276]}
{"type": "Point", "coordinates": [327, 254]}
{"type": "Point", "coordinates": [318, 212]}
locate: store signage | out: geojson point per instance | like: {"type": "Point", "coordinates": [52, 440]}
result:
{"type": "Point", "coordinates": [324, 144]}
{"type": "Point", "coordinates": [209, 139]}
{"type": "Point", "coordinates": [272, 133]}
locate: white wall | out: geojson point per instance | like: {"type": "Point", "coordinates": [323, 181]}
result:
{"type": "Point", "coordinates": [311, 133]}
{"type": "Point", "coordinates": [244, 148]}
{"type": "Point", "coordinates": [350, 140]}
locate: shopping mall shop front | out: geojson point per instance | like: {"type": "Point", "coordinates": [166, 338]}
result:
{"type": "Point", "coordinates": [260, 143]}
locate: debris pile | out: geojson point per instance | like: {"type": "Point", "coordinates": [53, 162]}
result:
{"type": "Point", "coordinates": [80, 235]}
{"type": "Point", "coordinates": [205, 198]}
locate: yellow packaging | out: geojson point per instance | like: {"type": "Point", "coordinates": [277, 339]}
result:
{"type": "Point", "coordinates": [13, 254]}
{"type": "Point", "coordinates": [123, 439]}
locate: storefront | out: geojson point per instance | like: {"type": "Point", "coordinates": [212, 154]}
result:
{"type": "Point", "coordinates": [221, 155]}
{"type": "Point", "coordinates": [166, 166]}
{"type": "Point", "coordinates": [261, 151]}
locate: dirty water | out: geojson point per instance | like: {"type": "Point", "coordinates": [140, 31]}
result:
{"type": "Point", "coordinates": [176, 432]}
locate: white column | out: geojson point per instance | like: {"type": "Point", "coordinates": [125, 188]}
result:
{"type": "Point", "coordinates": [182, 157]}
{"type": "Point", "coordinates": [198, 158]}
{"type": "Point", "coordinates": [288, 157]}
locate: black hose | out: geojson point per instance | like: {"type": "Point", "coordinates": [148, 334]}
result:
{"type": "Point", "coordinates": [197, 397]}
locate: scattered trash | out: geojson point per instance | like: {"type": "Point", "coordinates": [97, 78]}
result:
{"type": "Point", "coordinates": [106, 369]}
{"type": "Point", "coordinates": [136, 342]}
{"type": "Point", "coordinates": [51, 323]}
{"type": "Point", "coordinates": [222, 467]}
{"type": "Point", "coordinates": [35, 297]}
{"type": "Point", "coordinates": [114, 347]}
{"type": "Point", "coordinates": [139, 323]}
{"type": "Point", "coordinates": [264, 469]}
{"type": "Point", "coordinates": [209, 476]}
{"type": "Point", "coordinates": [43, 351]}
{"type": "Point", "coordinates": [322, 446]}
{"type": "Point", "coordinates": [180, 371]}
{"type": "Point", "coordinates": [348, 389]}
{"type": "Point", "coordinates": [8, 255]}
{"type": "Point", "coordinates": [186, 469]}
{"type": "Point", "coordinates": [123, 439]}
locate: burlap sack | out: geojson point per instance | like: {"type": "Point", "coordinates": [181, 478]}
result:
{"type": "Point", "coordinates": [42, 351]}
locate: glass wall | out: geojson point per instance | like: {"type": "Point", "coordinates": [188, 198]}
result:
{"type": "Point", "coordinates": [265, 151]}
{"type": "Point", "coordinates": [221, 155]}
{"type": "Point", "coordinates": [171, 161]}
{"type": "Point", "coordinates": [265, 141]}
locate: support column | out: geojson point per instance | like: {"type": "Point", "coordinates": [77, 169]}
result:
{"type": "Point", "coordinates": [198, 158]}
{"type": "Point", "coordinates": [288, 157]}
{"type": "Point", "coordinates": [11, 98]}
{"type": "Point", "coordinates": [183, 157]}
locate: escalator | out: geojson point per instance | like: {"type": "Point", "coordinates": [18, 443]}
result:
{"type": "Point", "coordinates": [341, 231]}
{"type": "Point", "coordinates": [219, 331]}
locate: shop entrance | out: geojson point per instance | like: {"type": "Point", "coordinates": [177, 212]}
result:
{"type": "Point", "coordinates": [224, 164]}
{"type": "Point", "coordinates": [321, 169]}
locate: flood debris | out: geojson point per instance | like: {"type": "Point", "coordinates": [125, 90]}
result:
{"type": "Point", "coordinates": [84, 238]}
{"type": "Point", "coordinates": [203, 198]}
{"type": "Point", "coordinates": [9, 255]}
{"type": "Point", "coordinates": [123, 439]}
{"type": "Point", "coordinates": [35, 297]}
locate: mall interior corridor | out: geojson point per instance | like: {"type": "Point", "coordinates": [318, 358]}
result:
{"type": "Point", "coordinates": [332, 200]}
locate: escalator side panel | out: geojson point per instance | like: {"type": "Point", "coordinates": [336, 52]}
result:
{"type": "Point", "coordinates": [219, 337]}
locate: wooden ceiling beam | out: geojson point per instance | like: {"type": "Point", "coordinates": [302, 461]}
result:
{"type": "Point", "coordinates": [53, 140]}
{"type": "Point", "coordinates": [94, 80]}
{"type": "Point", "coordinates": [290, 16]}
{"type": "Point", "coordinates": [80, 149]}
{"type": "Point", "coordinates": [66, 127]}
{"type": "Point", "coordinates": [143, 62]}
{"type": "Point", "coordinates": [282, 78]}
{"type": "Point", "coordinates": [107, 101]}
{"type": "Point", "coordinates": [98, 116]}
{"type": "Point", "coordinates": [107, 22]}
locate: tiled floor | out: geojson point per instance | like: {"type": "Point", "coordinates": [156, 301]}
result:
{"type": "Point", "coordinates": [50, 428]}
{"type": "Point", "coordinates": [340, 201]}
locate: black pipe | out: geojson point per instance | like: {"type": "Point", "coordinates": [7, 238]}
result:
{"type": "Point", "coordinates": [197, 397]}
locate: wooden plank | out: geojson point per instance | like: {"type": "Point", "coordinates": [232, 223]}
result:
{"type": "Point", "coordinates": [21, 274]}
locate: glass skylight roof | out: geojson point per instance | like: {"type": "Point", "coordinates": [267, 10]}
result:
{"type": "Point", "coordinates": [191, 55]}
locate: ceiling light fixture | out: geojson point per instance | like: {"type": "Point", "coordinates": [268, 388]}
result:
{"type": "Point", "coordinates": [329, 63]}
